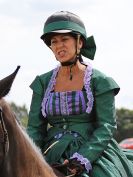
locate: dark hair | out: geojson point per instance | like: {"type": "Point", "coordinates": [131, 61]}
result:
{"type": "Point", "coordinates": [80, 58]}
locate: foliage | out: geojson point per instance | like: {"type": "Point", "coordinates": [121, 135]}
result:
{"type": "Point", "coordinates": [124, 124]}
{"type": "Point", "coordinates": [21, 113]}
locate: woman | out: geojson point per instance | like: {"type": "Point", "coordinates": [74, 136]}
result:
{"type": "Point", "coordinates": [72, 114]}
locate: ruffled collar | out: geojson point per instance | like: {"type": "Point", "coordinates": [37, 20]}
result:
{"type": "Point", "coordinates": [87, 79]}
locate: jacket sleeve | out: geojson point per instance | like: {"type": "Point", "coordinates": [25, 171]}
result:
{"type": "Point", "coordinates": [37, 125]}
{"type": "Point", "coordinates": [105, 116]}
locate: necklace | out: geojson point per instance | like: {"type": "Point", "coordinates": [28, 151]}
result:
{"type": "Point", "coordinates": [70, 63]}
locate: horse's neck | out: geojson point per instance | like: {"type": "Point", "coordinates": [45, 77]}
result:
{"type": "Point", "coordinates": [23, 158]}
{"type": "Point", "coordinates": [29, 159]}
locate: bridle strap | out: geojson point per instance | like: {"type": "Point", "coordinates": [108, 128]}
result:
{"type": "Point", "coordinates": [5, 139]}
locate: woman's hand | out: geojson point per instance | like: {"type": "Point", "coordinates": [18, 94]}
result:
{"type": "Point", "coordinates": [74, 166]}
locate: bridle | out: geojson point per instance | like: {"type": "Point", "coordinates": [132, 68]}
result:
{"type": "Point", "coordinates": [4, 137]}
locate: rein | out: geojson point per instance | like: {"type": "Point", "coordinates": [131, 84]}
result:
{"type": "Point", "coordinates": [4, 137]}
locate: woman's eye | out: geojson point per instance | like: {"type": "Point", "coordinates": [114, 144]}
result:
{"type": "Point", "coordinates": [53, 42]}
{"type": "Point", "coordinates": [65, 39]}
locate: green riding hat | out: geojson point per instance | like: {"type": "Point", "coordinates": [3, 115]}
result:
{"type": "Point", "coordinates": [67, 22]}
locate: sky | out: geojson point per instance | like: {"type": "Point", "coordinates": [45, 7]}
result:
{"type": "Point", "coordinates": [21, 25]}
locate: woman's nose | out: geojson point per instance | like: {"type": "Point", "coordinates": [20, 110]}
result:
{"type": "Point", "coordinates": [60, 44]}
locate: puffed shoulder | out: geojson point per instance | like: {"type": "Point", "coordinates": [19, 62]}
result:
{"type": "Point", "coordinates": [103, 83]}
{"type": "Point", "coordinates": [40, 83]}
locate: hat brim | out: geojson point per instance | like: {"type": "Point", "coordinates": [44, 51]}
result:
{"type": "Point", "coordinates": [44, 36]}
{"type": "Point", "coordinates": [57, 31]}
{"type": "Point", "coordinates": [61, 31]}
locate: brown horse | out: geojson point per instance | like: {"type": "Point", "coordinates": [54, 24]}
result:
{"type": "Point", "coordinates": [19, 157]}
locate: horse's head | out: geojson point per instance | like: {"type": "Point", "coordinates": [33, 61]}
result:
{"type": "Point", "coordinates": [6, 83]}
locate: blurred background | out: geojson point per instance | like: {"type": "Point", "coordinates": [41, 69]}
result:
{"type": "Point", "coordinates": [110, 21]}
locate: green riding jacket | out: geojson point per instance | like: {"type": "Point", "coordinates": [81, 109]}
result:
{"type": "Point", "coordinates": [97, 128]}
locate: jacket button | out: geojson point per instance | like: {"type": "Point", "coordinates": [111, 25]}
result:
{"type": "Point", "coordinates": [64, 126]}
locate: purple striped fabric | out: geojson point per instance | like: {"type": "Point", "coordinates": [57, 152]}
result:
{"type": "Point", "coordinates": [57, 104]}
{"type": "Point", "coordinates": [66, 103]}
{"type": "Point", "coordinates": [77, 108]}
{"type": "Point", "coordinates": [69, 100]}
{"type": "Point", "coordinates": [83, 103]}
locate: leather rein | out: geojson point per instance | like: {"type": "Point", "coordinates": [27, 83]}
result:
{"type": "Point", "coordinates": [4, 137]}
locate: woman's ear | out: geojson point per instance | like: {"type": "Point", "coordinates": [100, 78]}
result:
{"type": "Point", "coordinates": [80, 45]}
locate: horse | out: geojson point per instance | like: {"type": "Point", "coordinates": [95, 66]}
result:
{"type": "Point", "coordinates": [19, 156]}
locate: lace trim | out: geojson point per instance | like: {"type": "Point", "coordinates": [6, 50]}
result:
{"type": "Point", "coordinates": [87, 78]}
{"type": "Point", "coordinates": [49, 89]}
{"type": "Point", "coordinates": [64, 105]}
{"type": "Point", "coordinates": [83, 161]}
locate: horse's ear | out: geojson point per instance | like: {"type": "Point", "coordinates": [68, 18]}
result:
{"type": "Point", "coordinates": [6, 83]}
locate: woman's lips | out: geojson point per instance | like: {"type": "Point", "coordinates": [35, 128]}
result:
{"type": "Point", "coordinates": [61, 53]}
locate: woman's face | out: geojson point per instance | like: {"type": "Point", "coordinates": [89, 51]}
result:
{"type": "Point", "coordinates": [64, 47]}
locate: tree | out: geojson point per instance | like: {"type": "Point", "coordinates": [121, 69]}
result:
{"type": "Point", "coordinates": [124, 124]}
{"type": "Point", "coordinates": [21, 113]}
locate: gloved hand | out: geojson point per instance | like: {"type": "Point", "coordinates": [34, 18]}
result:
{"type": "Point", "coordinates": [75, 167]}
{"type": "Point", "coordinates": [72, 166]}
